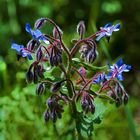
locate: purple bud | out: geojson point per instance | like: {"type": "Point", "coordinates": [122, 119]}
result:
{"type": "Point", "coordinates": [125, 99]}
{"type": "Point", "coordinates": [91, 56]}
{"type": "Point", "coordinates": [35, 79]}
{"type": "Point", "coordinates": [29, 76]}
{"type": "Point", "coordinates": [55, 32]}
{"type": "Point", "coordinates": [56, 86]}
{"type": "Point", "coordinates": [53, 116]}
{"type": "Point", "coordinates": [118, 102]}
{"type": "Point", "coordinates": [46, 116]}
{"type": "Point", "coordinates": [40, 71]}
{"type": "Point", "coordinates": [39, 23]}
{"type": "Point", "coordinates": [86, 103]}
{"type": "Point", "coordinates": [39, 54]}
{"type": "Point", "coordinates": [50, 103]}
{"type": "Point", "coordinates": [92, 108]}
{"type": "Point", "coordinates": [91, 43]}
{"type": "Point", "coordinates": [40, 89]}
{"type": "Point", "coordinates": [118, 90]}
{"type": "Point", "coordinates": [81, 28]}
{"type": "Point", "coordinates": [112, 94]}
{"type": "Point", "coordinates": [32, 44]}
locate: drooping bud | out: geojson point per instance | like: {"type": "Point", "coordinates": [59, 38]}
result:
{"type": "Point", "coordinates": [81, 28]}
{"type": "Point", "coordinates": [55, 57]}
{"type": "Point", "coordinates": [91, 56]}
{"type": "Point", "coordinates": [40, 71]}
{"type": "Point", "coordinates": [32, 44]}
{"type": "Point", "coordinates": [92, 108]}
{"type": "Point", "coordinates": [40, 88]}
{"type": "Point", "coordinates": [35, 75]}
{"type": "Point", "coordinates": [56, 86]}
{"type": "Point", "coordinates": [112, 94]}
{"type": "Point", "coordinates": [39, 54]}
{"type": "Point", "coordinates": [50, 103]}
{"type": "Point", "coordinates": [53, 116]}
{"type": "Point", "coordinates": [55, 32]}
{"type": "Point", "coordinates": [118, 90]}
{"type": "Point", "coordinates": [86, 103]}
{"type": "Point", "coordinates": [118, 102]}
{"type": "Point", "coordinates": [55, 108]}
{"type": "Point", "coordinates": [46, 116]}
{"type": "Point", "coordinates": [39, 23]}
{"type": "Point", "coordinates": [125, 99]}
{"type": "Point", "coordinates": [29, 76]}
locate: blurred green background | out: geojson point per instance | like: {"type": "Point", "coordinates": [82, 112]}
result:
{"type": "Point", "coordinates": [21, 110]}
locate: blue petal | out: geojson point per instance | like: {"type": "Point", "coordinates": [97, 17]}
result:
{"type": "Point", "coordinates": [97, 80]}
{"type": "Point", "coordinates": [125, 68]}
{"type": "Point", "coordinates": [27, 28]}
{"type": "Point", "coordinates": [117, 27]}
{"type": "Point", "coordinates": [17, 47]}
{"type": "Point", "coordinates": [119, 76]}
{"type": "Point", "coordinates": [110, 74]}
{"type": "Point", "coordinates": [36, 34]}
{"type": "Point", "coordinates": [128, 67]}
{"type": "Point", "coordinates": [108, 25]}
{"type": "Point", "coordinates": [100, 36]}
{"type": "Point", "coordinates": [29, 57]}
{"type": "Point", "coordinates": [119, 62]}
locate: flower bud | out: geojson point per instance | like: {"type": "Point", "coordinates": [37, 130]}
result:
{"type": "Point", "coordinates": [92, 108]}
{"type": "Point", "coordinates": [50, 103]}
{"type": "Point", "coordinates": [53, 116]}
{"type": "Point", "coordinates": [91, 56]}
{"type": "Point", "coordinates": [46, 116]}
{"type": "Point", "coordinates": [32, 44]}
{"type": "Point", "coordinates": [56, 56]}
{"type": "Point", "coordinates": [56, 86]}
{"type": "Point", "coordinates": [125, 99]}
{"type": "Point", "coordinates": [40, 89]}
{"type": "Point", "coordinates": [35, 78]}
{"type": "Point", "coordinates": [39, 54]}
{"type": "Point", "coordinates": [112, 94]}
{"type": "Point", "coordinates": [118, 102]}
{"type": "Point", "coordinates": [86, 103]}
{"type": "Point", "coordinates": [39, 23]}
{"type": "Point", "coordinates": [81, 28]}
{"type": "Point", "coordinates": [40, 71]}
{"type": "Point", "coordinates": [29, 76]}
{"type": "Point", "coordinates": [55, 32]}
{"type": "Point", "coordinates": [56, 109]}
{"type": "Point", "coordinates": [119, 90]}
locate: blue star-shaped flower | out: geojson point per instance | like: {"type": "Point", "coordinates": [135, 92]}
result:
{"type": "Point", "coordinates": [99, 78]}
{"type": "Point", "coordinates": [117, 69]}
{"type": "Point", "coordinates": [107, 30]}
{"type": "Point", "coordinates": [21, 51]}
{"type": "Point", "coordinates": [36, 34]}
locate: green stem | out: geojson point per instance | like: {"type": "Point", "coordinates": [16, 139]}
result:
{"type": "Point", "coordinates": [131, 123]}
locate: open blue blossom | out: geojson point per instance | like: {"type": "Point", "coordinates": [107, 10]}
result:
{"type": "Point", "coordinates": [99, 78]}
{"type": "Point", "coordinates": [36, 34]}
{"type": "Point", "coordinates": [21, 51]}
{"type": "Point", "coordinates": [107, 30]}
{"type": "Point", "coordinates": [117, 69]}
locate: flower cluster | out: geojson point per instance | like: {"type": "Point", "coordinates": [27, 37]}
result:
{"type": "Point", "coordinates": [48, 52]}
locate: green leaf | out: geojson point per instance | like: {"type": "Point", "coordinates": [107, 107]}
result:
{"type": "Point", "coordinates": [100, 109]}
{"type": "Point", "coordinates": [88, 66]}
{"type": "Point", "coordinates": [104, 96]}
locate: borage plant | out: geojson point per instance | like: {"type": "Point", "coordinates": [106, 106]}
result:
{"type": "Point", "coordinates": [80, 83]}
